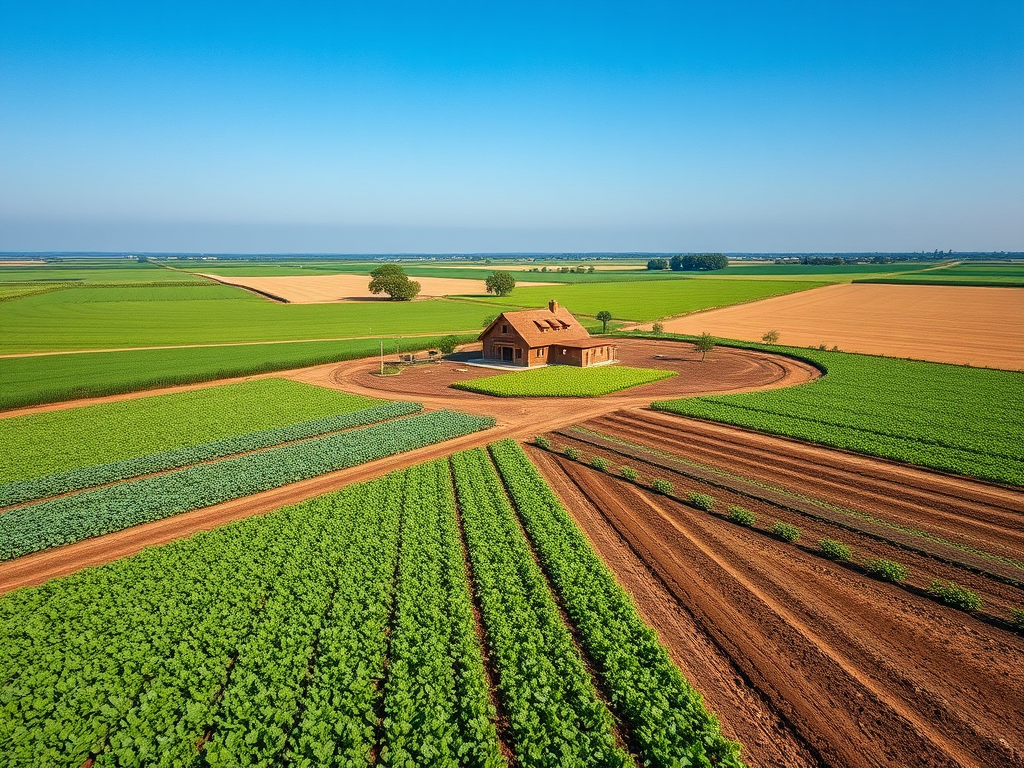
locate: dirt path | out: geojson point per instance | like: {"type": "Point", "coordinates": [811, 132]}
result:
{"type": "Point", "coordinates": [942, 323]}
{"type": "Point", "coordinates": [520, 418]}
{"type": "Point", "coordinates": [969, 513]}
{"type": "Point", "coordinates": [862, 673]}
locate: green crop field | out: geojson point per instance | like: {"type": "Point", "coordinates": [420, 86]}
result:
{"type": "Point", "coordinates": [102, 272]}
{"type": "Point", "coordinates": [105, 318]}
{"type": "Point", "coordinates": [343, 628]}
{"type": "Point", "coordinates": [1005, 274]}
{"type": "Point", "coordinates": [109, 508]}
{"type": "Point", "coordinates": [643, 301]}
{"type": "Point", "coordinates": [564, 381]}
{"type": "Point", "coordinates": [952, 418]}
{"type": "Point", "coordinates": [52, 378]}
{"type": "Point", "coordinates": [56, 441]}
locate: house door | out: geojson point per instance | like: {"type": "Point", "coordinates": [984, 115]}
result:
{"type": "Point", "coordinates": [506, 354]}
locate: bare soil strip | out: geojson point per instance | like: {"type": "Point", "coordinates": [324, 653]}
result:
{"type": "Point", "coordinates": [942, 323]}
{"type": "Point", "coordinates": [319, 289]}
{"type": "Point", "coordinates": [816, 511]}
{"type": "Point", "coordinates": [861, 671]}
{"type": "Point", "coordinates": [962, 510]}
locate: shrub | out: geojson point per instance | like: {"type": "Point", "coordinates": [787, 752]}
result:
{"type": "Point", "coordinates": [541, 442]}
{"type": "Point", "coordinates": [662, 486]}
{"type": "Point", "coordinates": [952, 594]}
{"type": "Point", "coordinates": [1018, 617]}
{"type": "Point", "coordinates": [785, 531]}
{"type": "Point", "coordinates": [742, 516]}
{"type": "Point", "coordinates": [702, 501]}
{"type": "Point", "coordinates": [887, 570]}
{"type": "Point", "coordinates": [628, 472]}
{"type": "Point", "coordinates": [658, 328]}
{"type": "Point", "coordinates": [835, 550]}
{"type": "Point", "coordinates": [599, 464]}
{"type": "Point", "coordinates": [447, 344]}
{"type": "Point", "coordinates": [572, 453]}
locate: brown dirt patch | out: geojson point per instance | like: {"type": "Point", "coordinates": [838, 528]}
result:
{"type": "Point", "coordinates": [804, 660]}
{"type": "Point", "coordinates": [521, 418]}
{"type": "Point", "coordinates": [945, 324]}
{"type": "Point", "coordinates": [320, 289]}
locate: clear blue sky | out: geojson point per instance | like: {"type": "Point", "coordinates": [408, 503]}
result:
{"type": "Point", "coordinates": [378, 127]}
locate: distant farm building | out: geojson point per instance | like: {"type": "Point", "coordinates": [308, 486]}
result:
{"type": "Point", "coordinates": [549, 336]}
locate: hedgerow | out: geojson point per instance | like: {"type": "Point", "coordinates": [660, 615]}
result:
{"type": "Point", "coordinates": [742, 516]}
{"type": "Point", "coordinates": [702, 501]}
{"type": "Point", "coordinates": [67, 519]}
{"type": "Point", "coordinates": [835, 550]}
{"type": "Point", "coordinates": [564, 381]}
{"type": "Point", "coordinates": [887, 570]}
{"type": "Point", "coordinates": [666, 716]}
{"type": "Point", "coordinates": [952, 594]}
{"type": "Point", "coordinates": [785, 531]}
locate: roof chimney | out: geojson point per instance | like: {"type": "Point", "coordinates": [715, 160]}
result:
{"type": "Point", "coordinates": [552, 306]}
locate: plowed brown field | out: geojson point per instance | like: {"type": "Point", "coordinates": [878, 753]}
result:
{"type": "Point", "coordinates": [805, 661]}
{"type": "Point", "coordinates": [319, 289]}
{"type": "Point", "coordinates": [942, 323]}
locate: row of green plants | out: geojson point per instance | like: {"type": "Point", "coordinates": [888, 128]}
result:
{"type": "Point", "coordinates": [555, 716]}
{"type": "Point", "coordinates": [667, 719]}
{"type": "Point", "coordinates": [437, 709]}
{"type": "Point", "coordinates": [67, 519]}
{"type": "Point", "coordinates": [947, 592]}
{"type": "Point", "coordinates": [948, 417]}
{"type": "Point", "coordinates": [101, 474]}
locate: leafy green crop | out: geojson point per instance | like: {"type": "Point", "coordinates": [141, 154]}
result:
{"type": "Point", "coordinates": [554, 713]}
{"type": "Point", "coordinates": [667, 717]}
{"type": "Point", "coordinates": [88, 477]}
{"type": "Point", "coordinates": [563, 381]}
{"type": "Point", "coordinates": [54, 442]}
{"type": "Point", "coordinates": [67, 519]}
{"type": "Point", "coordinates": [953, 418]}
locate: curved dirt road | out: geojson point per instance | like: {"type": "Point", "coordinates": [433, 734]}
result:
{"type": "Point", "coordinates": [726, 370]}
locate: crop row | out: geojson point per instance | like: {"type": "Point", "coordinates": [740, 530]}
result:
{"type": "Point", "coordinates": [555, 716]}
{"type": "Point", "coordinates": [62, 440]}
{"type": "Point", "coordinates": [953, 418]}
{"type": "Point", "coordinates": [100, 474]}
{"type": "Point", "coordinates": [669, 723]}
{"type": "Point", "coordinates": [436, 705]}
{"type": "Point", "coordinates": [68, 519]}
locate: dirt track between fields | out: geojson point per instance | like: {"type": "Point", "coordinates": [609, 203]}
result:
{"type": "Point", "coordinates": [320, 289]}
{"type": "Point", "coordinates": [725, 370]}
{"type": "Point", "coordinates": [945, 324]}
{"type": "Point", "coordinates": [803, 660]}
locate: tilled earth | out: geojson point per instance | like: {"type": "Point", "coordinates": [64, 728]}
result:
{"type": "Point", "coordinates": [809, 662]}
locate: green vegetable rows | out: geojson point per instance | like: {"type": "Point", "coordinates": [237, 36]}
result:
{"type": "Point", "coordinates": [88, 477]}
{"type": "Point", "coordinates": [669, 723]}
{"type": "Point", "coordinates": [952, 418]}
{"type": "Point", "coordinates": [554, 713]}
{"type": "Point", "coordinates": [67, 519]}
{"type": "Point", "coordinates": [340, 632]}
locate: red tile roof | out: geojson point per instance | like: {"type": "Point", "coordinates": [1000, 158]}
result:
{"type": "Point", "coordinates": [529, 325]}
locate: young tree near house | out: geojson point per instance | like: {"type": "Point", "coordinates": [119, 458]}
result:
{"type": "Point", "coordinates": [772, 337]}
{"type": "Point", "coordinates": [704, 343]}
{"type": "Point", "coordinates": [447, 344]}
{"type": "Point", "coordinates": [392, 280]}
{"type": "Point", "coordinates": [604, 316]}
{"type": "Point", "coordinates": [658, 328]}
{"type": "Point", "coordinates": [501, 283]}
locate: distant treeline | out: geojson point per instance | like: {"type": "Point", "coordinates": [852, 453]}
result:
{"type": "Point", "coordinates": [691, 262]}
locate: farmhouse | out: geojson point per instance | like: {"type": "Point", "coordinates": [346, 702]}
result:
{"type": "Point", "coordinates": [549, 336]}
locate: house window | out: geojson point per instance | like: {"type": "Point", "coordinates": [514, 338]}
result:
{"type": "Point", "coordinates": [565, 351]}
{"type": "Point", "coordinates": [540, 352]}
{"type": "Point", "coordinates": [504, 329]}
{"type": "Point", "coordinates": [519, 353]}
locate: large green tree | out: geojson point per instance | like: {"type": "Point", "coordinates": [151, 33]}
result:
{"type": "Point", "coordinates": [392, 280]}
{"type": "Point", "coordinates": [604, 316]}
{"type": "Point", "coordinates": [500, 283]}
